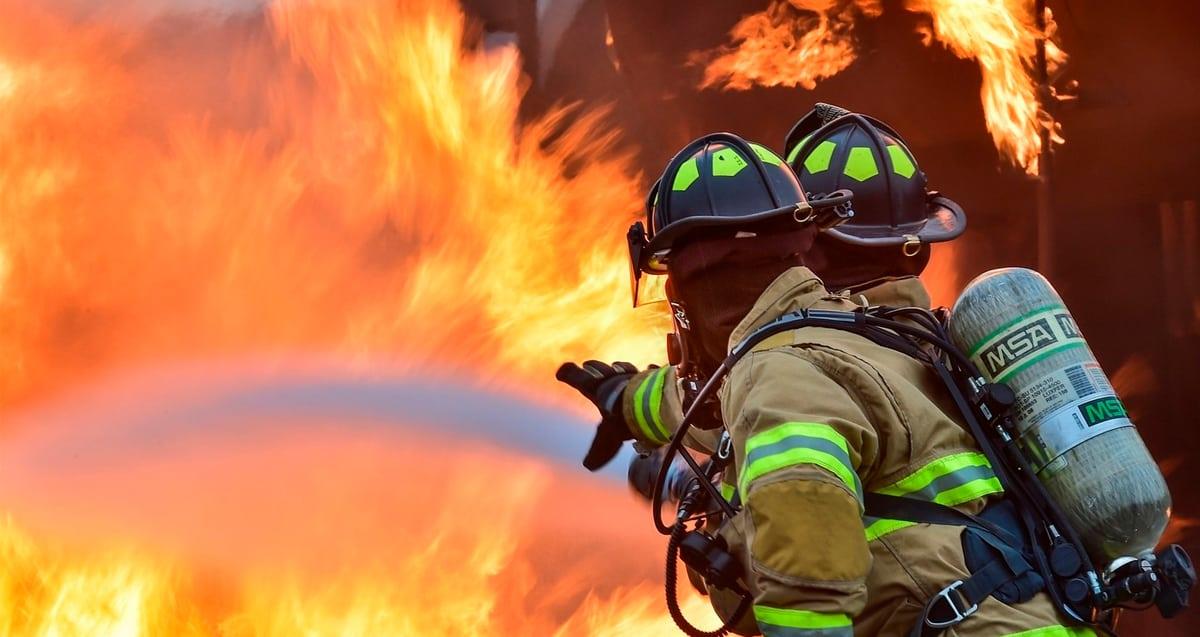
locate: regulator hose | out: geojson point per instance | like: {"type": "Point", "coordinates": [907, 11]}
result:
{"type": "Point", "coordinates": [670, 576]}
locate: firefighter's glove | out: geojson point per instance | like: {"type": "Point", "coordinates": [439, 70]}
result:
{"type": "Point", "coordinates": [603, 385]}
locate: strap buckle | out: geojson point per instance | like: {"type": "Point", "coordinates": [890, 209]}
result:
{"type": "Point", "coordinates": [725, 447]}
{"type": "Point", "coordinates": [959, 614]}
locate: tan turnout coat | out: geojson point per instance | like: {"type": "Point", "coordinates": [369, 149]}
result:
{"type": "Point", "coordinates": [818, 416]}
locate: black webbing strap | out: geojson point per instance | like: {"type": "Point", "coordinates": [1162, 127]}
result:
{"type": "Point", "coordinates": [960, 599]}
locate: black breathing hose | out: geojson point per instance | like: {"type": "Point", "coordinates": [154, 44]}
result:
{"type": "Point", "coordinates": [1019, 481]}
{"type": "Point", "coordinates": [671, 576]}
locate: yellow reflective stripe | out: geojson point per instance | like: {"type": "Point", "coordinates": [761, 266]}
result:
{"type": "Point", "coordinates": [798, 443]}
{"type": "Point", "coordinates": [950, 481]}
{"type": "Point", "coordinates": [794, 457]}
{"type": "Point", "coordinates": [880, 528]}
{"type": "Point", "coordinates": [787, 430]}
{"type": "Point", "coordinates": [1055, 631]}
{"type": "Point", "coordinates": [934, 470]}
{"type": "Point", "coordinates": [639, 411]}
{"type": "Point", "coordinates": [659, 380]}
{"type": "Point", "coordinates": [969, 491]}
{"type": "Point", "coordinates": [791, 618]}
{"type": "Point", "coordinates": [727, 491]}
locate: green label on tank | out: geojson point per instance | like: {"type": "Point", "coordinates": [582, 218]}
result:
{"type": "Point", "coordinates": [1025, 341]}
{"type": "Point", "coordinates": [1066, 429]}
{"type": "Point", "coordinates": [1102, 410]}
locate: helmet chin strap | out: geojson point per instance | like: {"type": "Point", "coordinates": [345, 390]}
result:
{"type": "Point", "coordinates": [689, 367]}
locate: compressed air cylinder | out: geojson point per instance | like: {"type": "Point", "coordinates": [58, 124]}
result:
{"type": "Point", "coordinates": [1071, 425]}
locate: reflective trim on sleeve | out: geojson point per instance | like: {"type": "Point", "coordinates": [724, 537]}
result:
{"type": "Point", "coordinates": [951, 480]}
{"type": "Point", "coordinates": [784, 622]}
{"type": "Point", "coordinates": [647, 401]}
{"type": "Point", "coordinates": [727, 491]}
{"type": "Point", "coordinates": [1055, 631]}
{"type": "Point", "coordinates": [797, 443]}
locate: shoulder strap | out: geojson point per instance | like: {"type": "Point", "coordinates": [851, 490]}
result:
{"type": "Point", "coordinates": [960, 599]}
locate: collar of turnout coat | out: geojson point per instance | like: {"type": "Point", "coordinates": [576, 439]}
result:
{"type": "Point", "coordinates": [798, 288]}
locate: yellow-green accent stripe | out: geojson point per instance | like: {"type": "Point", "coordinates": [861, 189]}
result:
{"type": "Point", "coordinates": [1055, 631]}
{"type": "Point", "coordinates": [798, 443]}
{"type": "Point", "coordinates": [880, 528]}
{"type": "Point", "coordinates": [786, 622]}
{"type": "Point", "coordinates": [649, 424]}
{"type": "Point", "coordinates": [924, 476]}
{"type": "Point", "coordinates": [818, 160]}
{"type": "Point", "coordinates": [727, 163]}
{"type": "Point", "coordinates": [656, 395]}
{"type": "Point", "coordinates": [950, 481]}
{"type": "Point", "coordinates": [687, 175]}
{"type": "Point", "coordinates": [796, 149]}
{"type": "Point", "coordinates": [860, 164]}
{"type": "Point", "coordinates": [901, 164]}
{"type": "Point", "coordinates": [766, 155]}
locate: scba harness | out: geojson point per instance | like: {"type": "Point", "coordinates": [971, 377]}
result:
{"type": "Point", "coordinates": [1014, 549]}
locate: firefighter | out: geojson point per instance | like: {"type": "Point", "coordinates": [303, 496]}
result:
{"type": "Point", "coordinates": [817, 416]}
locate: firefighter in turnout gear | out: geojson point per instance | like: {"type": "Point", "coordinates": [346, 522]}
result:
{"type": "Point", "coordinates": [817, 416]}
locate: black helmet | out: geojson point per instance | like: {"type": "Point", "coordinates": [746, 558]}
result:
{"type": "Point", "coordinates": [831, 148]}
{"type": "Point", "coordinates": [720, 184]}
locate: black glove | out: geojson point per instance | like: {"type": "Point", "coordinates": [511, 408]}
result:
{"type": "Point", "coordinates": [603, 385]}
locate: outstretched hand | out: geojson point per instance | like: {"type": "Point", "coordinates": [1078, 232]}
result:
{"type": "Point", "coordinates": [603, 385]}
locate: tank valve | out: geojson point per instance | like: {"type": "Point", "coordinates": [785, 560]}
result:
{"type": "Point", "coordinates": [1178, 576]}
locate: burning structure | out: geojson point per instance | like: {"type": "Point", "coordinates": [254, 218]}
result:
{"type": "Point", "coordinates": [371, 182]}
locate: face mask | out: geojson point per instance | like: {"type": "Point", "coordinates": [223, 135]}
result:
{"type": "Point", "coordinates": [717, 282]}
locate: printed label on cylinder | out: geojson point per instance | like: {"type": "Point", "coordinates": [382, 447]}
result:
{"type": "Point", "coordinates": [1026, 340]}
{"type": "Point", "coordinates": [1072, 425]}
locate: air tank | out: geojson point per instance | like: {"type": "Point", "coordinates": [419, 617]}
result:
{"type": "Point", "coordinates": [1071, 425]}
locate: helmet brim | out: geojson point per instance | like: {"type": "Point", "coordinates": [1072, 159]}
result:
{"type": "Point", "coordinates": [945, 221]}
{"type": "Point", "coordinates": [672, 234]}
{"type": "Point", "coordinates": [825, 211]}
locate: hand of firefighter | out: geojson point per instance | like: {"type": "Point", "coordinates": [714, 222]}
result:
{"type": "Point", "coordinates": [603, 385]}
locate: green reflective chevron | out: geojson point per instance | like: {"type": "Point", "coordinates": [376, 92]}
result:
{"type": "Point", "coordinates": [727, 163]}
{"type": "Point", "coordinates": [901, 163]}
{"type": "Point", "coordinates": [687, 175]}
{"type": "Point", "coordinates": [818, 160]}
{"type": "Point", "coordinates": [766, 155]}
{"type": "Point", "coordinates": [796, 149]}
{"type": "Point", "coordinates": [860, 165]}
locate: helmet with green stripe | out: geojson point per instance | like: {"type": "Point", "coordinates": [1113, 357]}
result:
{"type": "Point", "coordinates": [718, 183]}
{"type": "Point", "coordinates": [718, 186]}
{"type": "Point", "coordinates": [831, 148]}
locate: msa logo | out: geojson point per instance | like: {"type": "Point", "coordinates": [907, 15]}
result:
{"type": "Point", "coordinates": [1066, 324]}
{"type": "Point", "coordinates": [1102, 410]}
{"type": "Point", "coordinates": [1022, 342]}
{"type": "Point", "coordinates": [1030, 337]}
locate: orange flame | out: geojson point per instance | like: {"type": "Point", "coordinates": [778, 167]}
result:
{"type": "Point", "coordinates": [780, 47]}
{"type": "Point", "coordinates": [790, 43]}
{"type": "Point", "coordinates": [435, 576]}
{"type": "Point", "coordinates": [1002, 36]}
{"type": "Point", "coordinates": [344, 178]}
{"type": "Point", "coordinates": [357, 183]}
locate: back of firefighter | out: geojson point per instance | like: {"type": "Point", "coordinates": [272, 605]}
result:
{"type": "Point", "coordinates": [818, 416]}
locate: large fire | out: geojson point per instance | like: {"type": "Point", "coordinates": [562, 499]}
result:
{"type": "Point", "coordinates": [347, 179]}
{"type": "Point", "coordinates": [342, 178]}
{"type": "Point", "coordinates": [800, 42]}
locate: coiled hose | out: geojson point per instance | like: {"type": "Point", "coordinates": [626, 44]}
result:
{"type": "Point", "coordinates": [677, 533]}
